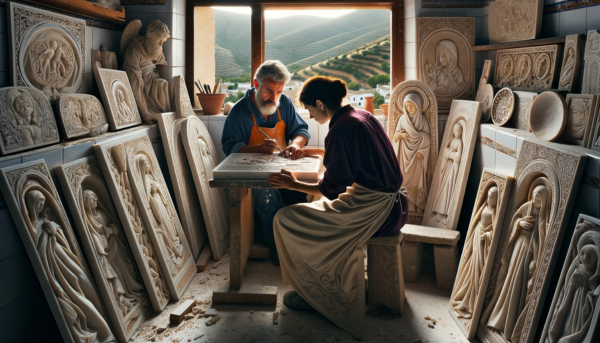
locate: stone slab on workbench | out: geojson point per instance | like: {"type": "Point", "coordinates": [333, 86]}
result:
{"type": "Point", "coordinates": [250, 166]}
{"type": "Point", "coordinates": [431, 235]}
{"type": "Point", "coordinates": [246, 295]}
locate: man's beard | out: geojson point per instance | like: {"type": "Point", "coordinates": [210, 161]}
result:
{"type": "Point", "coordinates": [265, 107]}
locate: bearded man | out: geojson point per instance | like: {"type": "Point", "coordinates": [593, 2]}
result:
{"type": "Point", "coordinates": [265, 108]}
{"type": "Point", "coordinates": [140, 59]}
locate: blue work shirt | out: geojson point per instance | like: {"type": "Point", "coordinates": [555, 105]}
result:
{"type": "Point", "coordinates": [239, 123]}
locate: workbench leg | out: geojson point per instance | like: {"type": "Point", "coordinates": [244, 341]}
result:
{"type": "Point", "coordinates": [241, 212]}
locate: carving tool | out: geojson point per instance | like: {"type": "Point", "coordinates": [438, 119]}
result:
{"type": "Point", "coordinates": [217, 85]}
{"type": "Point", "coordinates": [267, 136]}
{"type": "Point", "coordinates": [198, 86]}
{"type": "Point", "coordinates": [207, 89]}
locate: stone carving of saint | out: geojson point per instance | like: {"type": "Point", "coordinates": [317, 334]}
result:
{"type": "Point", "coordinates": [445, 77]}
{"type": "Point", "coordinates": [140, 59]}
{"type": "Point", "coordinates": [566, 77]}
{"type": "Point", "coordinates": [158, 206]}
{"type": "Point", "coordinates": [412, 144]}
{"type": "Point", "coordinates": [579, 296]}
{"type": "Point", "coordinates": [447, 178]}
{"type": "Point", "coordinates": [116, 265]}
{"type": "Point", "coordinates": [477, 249]}
{"type": "Point", "coordinates": [505, 312]}
{"type": "Point", "coordinates": [122, 105]}
{"type": "Point", "coordinates": [73, 289]}
{"type": "Point", "coordinates": [24, 112]}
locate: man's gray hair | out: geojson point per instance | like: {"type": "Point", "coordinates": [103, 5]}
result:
{"type": "Point", "coordinates": [273, 69]}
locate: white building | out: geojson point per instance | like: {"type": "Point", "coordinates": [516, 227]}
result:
{"type": "Point", "coordinates": [359, 99]}
{"type": "Point", "coordinates": [384, 90]}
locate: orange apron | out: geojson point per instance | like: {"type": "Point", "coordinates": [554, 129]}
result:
{"type": "Point", "coordinates": [277, 133]}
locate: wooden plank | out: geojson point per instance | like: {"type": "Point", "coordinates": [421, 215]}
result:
{"type": "Point", "coordinates": [257, 34]}
{"type": "Point", "coordinates": [241, 232]}
{"type": "Point", "coordinates": [247, 295]}
{"type": "Point", "coordinates": [522, 44]}
{"type": "Point", "coordinates": [87, 9]}
{"type": "Point", "coordinates": [176, 316]}
{"type": "Point", "coordinates": [259, 252]}
{"type": "Point", "coordinates": [262, 184]}
{"type": "Point", "coordinates": [204, 259]}
{"type": "Point", "coordinates": [397, 72]}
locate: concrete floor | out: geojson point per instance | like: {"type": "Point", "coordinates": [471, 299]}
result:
{"type": "Point", "coordinates": [254, 323]}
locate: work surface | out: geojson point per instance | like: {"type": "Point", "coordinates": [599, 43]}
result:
{"type": "Point", "coordinates": [254, 323]}
{"type": "Point", "coordinates": [245, 166]}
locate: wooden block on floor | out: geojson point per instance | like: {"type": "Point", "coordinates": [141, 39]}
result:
{"type": "Point", "coordinates": [204, 259]}
{"type": "Point", "coordinates": [177, 316]}
{"type": "Point", "coordinates": [246, 295]}
{"type": "Point", "coordinates": [259, 252]}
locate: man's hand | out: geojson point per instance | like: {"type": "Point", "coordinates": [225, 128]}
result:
{"type": "Point", "coordinates": [268, 146]}
{"type": "Point", "coordinates": [284, 180]}
{"type": "Point", "coordinates": [293, 151]}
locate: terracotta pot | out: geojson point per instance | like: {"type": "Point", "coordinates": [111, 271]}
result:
{"type": "Point", "coordinates": [212, 103]}
{"type": "Point", "coordinates": [384, 108]}
{"type": "Point", "coordinates": [369, 105]}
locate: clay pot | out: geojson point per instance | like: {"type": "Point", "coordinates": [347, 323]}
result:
{"type": "Point", "coordinates": [384, 108]}
{"type": "Point", "coordinates": [369, 104]}
{"type": "Point", "coordinates": [212, 103]}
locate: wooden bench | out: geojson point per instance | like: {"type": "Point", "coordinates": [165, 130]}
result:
{"type": "Point", "coordinates": [445, 253]}
{"type": "Point", "coordinates": [384, 272]}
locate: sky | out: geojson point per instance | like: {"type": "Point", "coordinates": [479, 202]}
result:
{"type": "Point", "coordinates": [288, 13]}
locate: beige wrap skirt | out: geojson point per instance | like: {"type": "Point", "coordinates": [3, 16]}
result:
{"type": "Point", "coordinates": [320, 250]}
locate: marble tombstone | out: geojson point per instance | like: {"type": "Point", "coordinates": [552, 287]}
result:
{"type": "Point", "coordinates": [141, 56]}
{"type": "Point", "coordinates": [480, 246]}
{"type": "Point", "coordinates": [538, 209]}
{"type": "Point", "coordinates": [453, 165]}
{"type": "Point", "coordinates": [47, 50]}
{"type": "Point", "coordinates": [202, 157]}
{"type": "Point", "coordinates": [523, 102]}
{"type": "Point", "coordinates": [415, 141]}
{"type": "Point", "coordinates": [570, 65]}
{"type": "Point", "coordinates": [591, 69]}
{"type": "Point", "coordinates": [548, 116]}
{"type": "Point", "coordinates": [580, 117]}
{"type": "Point", "coordinates": [80, 115]}
{"type": "Point", "coordinates": [575, 308]}
{"type": "Point", "coordinates": [445, 58]}
{"type": "Point", "coordinates": [186, 196]}
{"type": "Point", "coordinates": [132, 157]}
{"type": "Point", "coordinates": [534, 67]}
{"type": "Point", "coordinates": [180, 100]}
{"type": "Point", "coordinates": [503, 106]}
{"type": "Point", "coordinates": [512, 21]}
{"type": "Point", "coordinates": [118, 98]}
{"type": "Point", "coordinates": [61, 269]}
{"type": "Point", "coordinates": [26, 120]}
{"type": "Point", "coordinates": [105, 245]}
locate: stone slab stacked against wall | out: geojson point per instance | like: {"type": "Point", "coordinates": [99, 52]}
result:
{"type": "Point", "coordinates": [479, 249]}
{"type": "Point", "coordinates": [581, 111]}
{"type": "Point", "coordinates": [535, 67]}
{"type": "Point", "coordinates": [133, 157]}
{"type": "Point", "coordinates": [512, 21]}
{"type": "Point", "coordinates": [569, 74]}
{"type": "Point", "coordinates": [118, 98]}
{"type": "Point", "coordinates": [547, 179]}
{"type": "Point", "coordinates": [80, 115]}
{"type": "Point", "coordinates": [45, 230]}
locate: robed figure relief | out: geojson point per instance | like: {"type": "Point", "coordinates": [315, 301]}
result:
{"type": "Point", "coordinates": [116, 265]}
{"type": "Point", "coordinates": [445, 77]}
{"type": "Point", "coordinates": [477, 248]}
{"type": "Point", "coordinates": [447, 180]}
{"type": "Point", "coordinates": [412, 144]}
{"type": "Point", "coordinates": [566, 76]}
{"type": "Point", "coordinates": [529, 225]}
{"type": "Point", "coordinates": [23, 107]}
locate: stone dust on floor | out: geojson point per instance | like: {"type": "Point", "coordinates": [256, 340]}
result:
{"type": "Point", "coordinates": [255, 323]}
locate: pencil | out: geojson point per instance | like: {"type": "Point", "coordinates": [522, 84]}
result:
{"type": "Point", "coordinates": [264, 134]}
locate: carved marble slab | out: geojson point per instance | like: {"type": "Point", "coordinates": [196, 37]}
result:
{"type": "Point", "coordinates": [513, 21]}
{"type": "Point", "coordinates": [575, 307]}
{"type": "Point", "coordinates": [180, 101]}
{"type": "Point", "coordinates": [80, 115]}
{"type": "Point", "coordinates": [203, 158]}
{"type": "Point", "coordinates": [146, 253]}
{"type": "Point", "coordinates": [107, 59]}
{"type": "Point", "coordinates": [61, 269]}
{"type": "Point", "coordinates": [539, 206]}
{"type": "Point", "coordinates": [105, 245]}
{"type": "Point", "coordinates": [26, 120]}
{"type": "Point", "coordinates": [47, 50]}
{"type": "Point", "coordinates": [503, 106]}
{"type": "Point", "coordinates": [445, 58]}
{"type": "Point", "coordinates": [569, 71]}
{"type": "Point", "coordinates": [580, 117]}
{"type": "Point", "coordinates": [533, 67]}
{"type": "Point", "coordinates": [486, 97]}
{"type": "Point", "coordinates": [520, 117]}
{"type": "Point", "coordinates": [423, 138]}
{"type": "Point", "coordinates": [453, 165]}
{"type": "Point", "coordinates": [136, 157]}
{"type": "Point", "coordinates": [479, 250]}
{"type": "Point", "coordinates": [117, 97]}
{"type": "Point", "coordinates": [246, 166]}
{"type": "Point", "coordinates": [186, 196]}
{"type": "Point", "coordinates": [591, 69]}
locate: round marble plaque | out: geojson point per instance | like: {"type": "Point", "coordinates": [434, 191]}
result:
{"type": "Point", "coordinates": [548, 117]}
{"type": "Point", "coordinates": [503, 106]}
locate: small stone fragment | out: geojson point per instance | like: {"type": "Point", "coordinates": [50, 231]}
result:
{"type": "Point", "coordinates": [213, 320]}
{"type": "Point", "coordinates": [189, 316]}
{"type": "Point", "coordinates": [161, 328]}
{"type": "Point", "coordinates": [134, 336]}
{"type": "Point", "coordinates": [196, 310]}
{"type": "Point", "coordinates": [275, 318]}
{"type": "Point", "coordinates": [434, 321]}
{"type": "Point", "coordinates": [251, 312]}
{"type": "Point", "coordinates": [427, 318]}
{"type": "Point", "coordinates": [431, 326]}
{"type": "Point", "coordinates": [152, 339]}
{"type": "Point", "coordinates": [211, 312]}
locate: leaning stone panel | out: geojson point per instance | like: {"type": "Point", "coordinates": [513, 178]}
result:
{"type": "Point", "coordinates": [580, 117]}
{"type": "Point", "coordinates": [534, 67]}
{"type": "Point", "coordinates": [80, 115]}
{"type": "Point", "coordinates": [591, 69]}
{"type": "Point", "coordinates": [180, 100]}
{"type": "Point", "coordinates": [118, 99]}
{"type": "Point", "coordinates": [515, 20]}
{"type": "Point", "coordinates": [569, 72]}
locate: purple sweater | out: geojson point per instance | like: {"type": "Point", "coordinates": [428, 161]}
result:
{"type": "Point", "coordinates": [357, 149]}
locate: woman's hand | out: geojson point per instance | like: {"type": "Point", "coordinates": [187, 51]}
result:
{"type": "Point", "coordinates": [293, 151]}
{"type": "Point", "coordinates": [284, 180]}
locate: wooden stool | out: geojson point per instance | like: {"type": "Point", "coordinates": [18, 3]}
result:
{"type": "Point", "coordinates": [384, 271]}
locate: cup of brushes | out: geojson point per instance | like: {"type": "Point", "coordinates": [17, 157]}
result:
{"type": "Point", "coordinates": [211, 102]}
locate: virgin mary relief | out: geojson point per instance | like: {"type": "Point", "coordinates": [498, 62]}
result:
{"type": "Point", "coordinates": [413, 132]}
{"type": "Point", "coordinates": [574, 312]}
{"type": "Point", "coordinates": [47, 235]}
{"type": "Point", "coordinates": [570, 65]}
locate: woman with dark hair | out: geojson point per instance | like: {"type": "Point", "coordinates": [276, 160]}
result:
{"type": "Point", "coordinates": [319, 243]}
